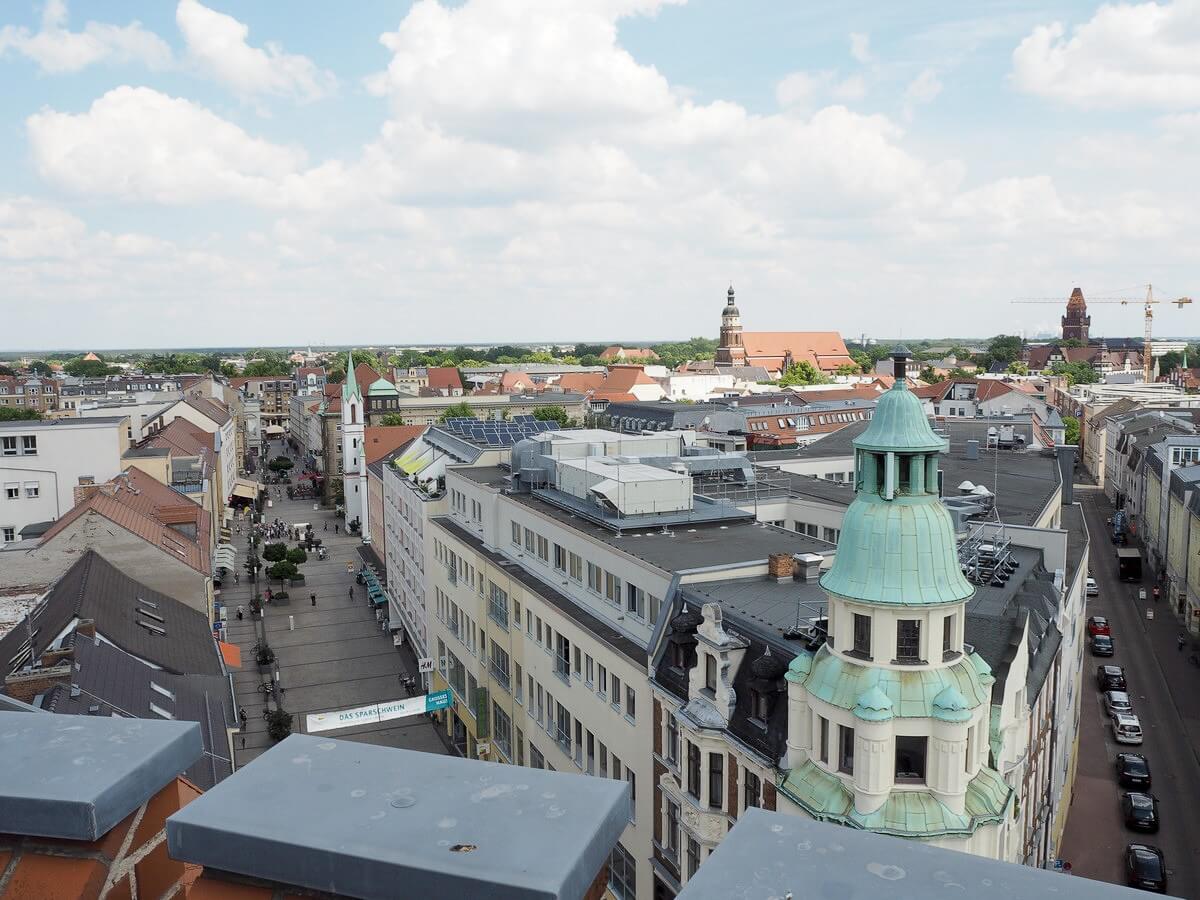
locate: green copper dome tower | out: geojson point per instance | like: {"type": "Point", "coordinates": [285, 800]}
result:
{"type": "Point", "coordinates": [897, 544]}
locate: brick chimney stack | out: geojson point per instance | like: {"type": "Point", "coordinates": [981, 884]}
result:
{"type": "Point", "coordinates": [24, 686]}
{"type": "Point", "coordinates": [779, 566]}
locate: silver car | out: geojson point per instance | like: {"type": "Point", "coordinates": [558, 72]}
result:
{"type": "Point", "coordinates": [1118, 703]}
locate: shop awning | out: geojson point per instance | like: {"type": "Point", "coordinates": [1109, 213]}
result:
{"type": "Point", "coordinates": [245, 489]}
{"type": "Point", "coordinates": [273, 430]}
{"type": "Point", "coordinates": [225, 557]}
{"type": "Point", "coordinates": [231, 653]}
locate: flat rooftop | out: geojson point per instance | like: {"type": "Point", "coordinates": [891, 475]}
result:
{"type": "Point", "coordinates": [773, 855]}
{"type": "Point", "coordinates": [697, 546]}
{"type": "Point", "coordinates": [88, 422]}
{"type": "Point", "coordinates": [491, 476]}
{"type": "Point", "coordinates": [360, 820]}
{"type": "Point", "coordinates": [64, 778]}
{"type": "Point", "coordinates": [768, 606]}
{"type": "Point", "coordinates": [1024, 482]}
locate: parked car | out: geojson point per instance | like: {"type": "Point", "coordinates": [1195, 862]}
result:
{"type": "Point", "coordinates": [1140, 811]}
{"type": "Point", "coordinates": [1133, 771]}
{"type": "Point", "coordinates": [1110, 678]}
{"type": "Point", "coordinates": [1127, 729]}
{"type": "Point", "coordinates": [1098, 625]}
{"type": "Point", "coordinates": [1092, 589]}
{"type": "Point", "coordinates": [1118, 703]}
{"type": "Point", "coordinates": [1102, 645]}
{"type": "Point", "coordinates": [1145, 868]}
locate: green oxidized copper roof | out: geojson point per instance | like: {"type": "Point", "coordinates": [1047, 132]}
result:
{"type": "Point", "coordinates": [899, 551]}
{"type": "Point", "coordinates": [899, 423]}
{"type": "Point", "coordinates": [350, 388]}
{"type": "Point", "coordinates": [873, 705]}
{"type": "Point", "coordinates": [906, 813]}
{"type": "Point", "coordinates": [382, 387]}
{"type": "Point", "coordinates": [951, 706]}
{"type": "Point", "coordinates": [912, 692]}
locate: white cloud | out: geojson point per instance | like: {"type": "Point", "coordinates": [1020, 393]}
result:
{"type": "Point", "coordinates": [57, 50]}
{"type": "Point", "coordinates": [30, 229]}
{"type": "Point", "coordinates": [1146, 54]}
{"type": "Point", "coordinates": [139, 144]}
{"type": "Point", "coordinates": [860, 47]}
{"type": "Point", "coordinates": [217, 44]}
{"type": "Point", "coordinates": [924, 88]}
{"type": "Point", "coordinates": [804, 91]}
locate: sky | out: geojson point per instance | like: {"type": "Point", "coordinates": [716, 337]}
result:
{"type": "Point", "coordinates": [225, 173]}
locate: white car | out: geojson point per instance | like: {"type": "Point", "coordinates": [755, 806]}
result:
{"type": "Point", "coordinates": [1093, 589]}
{"type": "Point", "coordinates": [1118, 703]}
{"type": "Point", "coordinates": [1126, 729]}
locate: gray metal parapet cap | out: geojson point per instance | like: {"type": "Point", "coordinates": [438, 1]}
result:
{"type": "Point", "coordinates": [770, 855]}
{"type": "Point", "coordinates": [361, 820]}
{"type": "Point", "coordinates": [75, 777]}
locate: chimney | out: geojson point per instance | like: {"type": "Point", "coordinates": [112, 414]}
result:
{"type": "Point", "coordinates": [1065, 453]}
{"type": "Point", "coordinates": [86, 627]}
{"type": "Point", "coordinates": [807, 567]}
{"type": "Point", "coordinates": [24, 686]}
{"type": "Point", "coordinates": [83, 491]}
{"type": "Point", "coordinates": [779, 567]}
{"type": "Point", "coordinates": [900, 357]}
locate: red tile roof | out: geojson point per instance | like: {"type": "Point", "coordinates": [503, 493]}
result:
{"type": "Point", "coordinates": [582, 382]}
{"type": "Point", "coordinates": [379, 441]}
{"type": "Point", "coordinates": [147, 508]}
{"type": "Point", "coordinates": [444, 378]}
{"type": "Point", "coordinates": [513, 382]}
{"type": "Point", "coordinates": [622, 378]}
{"type": "Point", "coordinates": [824, 349]}
{"type": "Point", "coordinates": [618, 352]}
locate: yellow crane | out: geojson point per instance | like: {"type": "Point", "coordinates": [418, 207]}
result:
{"type": "Point", "coordinates": [1149, 302]}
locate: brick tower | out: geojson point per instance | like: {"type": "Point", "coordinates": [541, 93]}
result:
{"type": "Point", "coordinates": [1075, 323]}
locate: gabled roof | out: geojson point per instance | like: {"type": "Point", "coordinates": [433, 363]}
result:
{"type": "Point", "coordinates": [516, 381]}
{"type": "Point", "coordinates": [622, 378]}
{"type": "Point", "coordinates": [824, 349]}
{"type": "Point", "coordinates": [305, 371]}
{"type": "Point", "coordinates": [991, 388]}
{"type": "Point", "coordinates": [95, 589]}
{"type": "Point", "coordinates": [444, 377]}
{"type": "Point", "coordinates": [582, 381]}
{"type": "Point", "coordinates": [209, 408]}
{"type": "Point", "coordinates": [138, 503]}
{"type": "Point", "coordinates": [182, 437]}
{"type": "Point", "coordinates": [379, 441]}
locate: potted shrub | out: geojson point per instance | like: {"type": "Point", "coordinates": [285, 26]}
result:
{"type": "Point", "coordinates": [279, 724]}
{"type": "Point", "coordinates": [296, 556]}
{"type": "Point", "coordinates": [265, 655]}
{"type": "Point", "coordinates": [275, 552]}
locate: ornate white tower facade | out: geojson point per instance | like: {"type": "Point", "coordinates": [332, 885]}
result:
{"type": "Point", "coordinates": [889, 721]}
{"type": "Point", "coordinates": [354, 468]}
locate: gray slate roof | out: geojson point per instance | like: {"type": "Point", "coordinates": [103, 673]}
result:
{"type": "Point", "coordinates": [95, 589]}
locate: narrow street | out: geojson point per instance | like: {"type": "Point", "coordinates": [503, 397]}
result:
{"type": "Point", "coordinates": [334, 655]}
{"type": "Point", "coordinates": [1165, 691]}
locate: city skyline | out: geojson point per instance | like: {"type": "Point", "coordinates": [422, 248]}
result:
{"type": "Point", "coordinates": [194, 169]}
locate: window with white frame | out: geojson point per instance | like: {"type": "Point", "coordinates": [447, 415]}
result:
{"type": "Point", "coordinates": [32, 490]}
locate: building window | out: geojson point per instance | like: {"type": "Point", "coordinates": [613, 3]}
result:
{"type": "Point", "coordinates": [8, 534]}
{"type": "Point", "coordinates": [716, 780]}
{"type": "Point", "coordinates": [516, 534]}
{"type": "Point", "coordinates": [29, 445]}
{"type": "Point", "coordinates": [751, 792]}
{"type": "Point", "coordinates": [560, 558]}
{"type": "Point", "coordinates": [576, 567]}
{"type": "Point", "coordinates": [631, 777]}
{"type": "Point", "coordinates": [615, 697]}
{"type": "Point", "coordinates": [622, 874]}
{"type": "Point", "coordinates": [595, 580]}
{"type": "Point", "coordinates": [908, 640]}
{"type": "Point", "coordinates": [502, 729]}
{"type": "Point", "coordinates": [710, 673]}
{"type": "Point", "coordinates": [8, 446]}
{"type": "Point", "coordinates": [589, 670]}
{"type": "Point", "coordinates": [693, 766]}
{"type": "Point", "coordinates": [759, 706]}
{"type": "Point", "coordinates": [846, 749]}
{"type": "Point", "coordinates": [498, 606]}
{"type": "Point", "coordinates": [862, 635]}
{"type": "Point", "coordinates": [32, 490]}
{"type": "Point", "coordinates": [12, 492]}
{"type": "Point", "coordinates": [672, 739]}
{"type": "Point", "coordinates": [672, 829]}
{"type": "Point", "coordinates": [543, 549]}
{"type": "Point", "coordinates": [612, 588]}
{"type": "Point", "coordinates": [693, 856]}
{"type": "Point", "coordinates": [910, 758]}
{"type": "Point", "coordinates": [562, 659]}
{"type": "Point", "coordinates": [630, 703]}
{"type": "Point", "coordinates": [601, 680]}
{"type": "Point", "coordinates": [947, 635]}
{"type": "Point", "coordinates": [823, 739]}
{"type": "Point", "coordinates": [499, 666]}
{"type": "Point", "coordinates": [635, 600]}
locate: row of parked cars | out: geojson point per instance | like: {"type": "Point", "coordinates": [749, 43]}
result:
{"type": "Point", "coordinates": [1145, 866]}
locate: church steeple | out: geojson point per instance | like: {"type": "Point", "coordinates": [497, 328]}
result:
{"type": "Point", "coordinates": [1076, 322]}
{"type": "Point", "coordinates": [730, 350]}
{"type": "Point", "coordinates": [351, 388]}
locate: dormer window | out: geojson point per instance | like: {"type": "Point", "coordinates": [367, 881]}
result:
{"type": "Point", "coordinates": [760, 706]}
{"type": "Point", "coordinates": [710, 673]}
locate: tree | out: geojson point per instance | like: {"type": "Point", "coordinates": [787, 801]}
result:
{"type": "Point", "coordinates": [88, 368]}
{"type": "Point", "coordinates": [865, 363]}
{"type": "Point", "coordinates": [1071, 342]}
{"type": "Point", "coordinates": [457, 411]}
{"type": "Point", "coordinates": [283, 570]}
{"type": "Point", "coordinates": [296, 556]}
{"type": "Point", "coordinates": [12, 414]}
{"type": "Point", "coordinates": [264, 363]}
{"type": "Point", "coordinates": [1017, 368]}
{"type": "Point", "coordinates": [1005, 348]}
{"type": "Point", "coordinates": [552, 414]}
{"type": "Point", "coordinates": [38, 367]}
{"type": "Point", "coordinates": [1075, 372]}
{"type": "Point", "coordinates": [848, 369]}
{"type": "Point", "coordinates": [1072, 423]}
{"type": "Point", "coordinates": [392, 419]}
{"type": "Point", "coordinates": [802, 373]}
{"type": "Point", "coordinates": [929, 376]}
{"type": "Point", "coordinates": [7, 372]}
{"type": "Point", "coordinates": [279, 724]}
{"type": "Point", "coordinates": [275, 552]}
{"type": "Point", "coordinates": [280, 464]}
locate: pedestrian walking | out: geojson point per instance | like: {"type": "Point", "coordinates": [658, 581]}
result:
{"type": "Point", "coordinates": [351, 592]}
{"type": "Point", "coordinates": [313, 597]}
{"type": "Point", "coordinates": [236, 576]}
{"type": "Point", "coordinates": [335, 527]}
{"type": "Point", "coordinates": [242, 715]}
{"type": "Point", "coordinates": [1179, 642]}
{"type": "Point", "coordinates": [239, 613]}
{"type": "Point", "coordinates": [326, 528]}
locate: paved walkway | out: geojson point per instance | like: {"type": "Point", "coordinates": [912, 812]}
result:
{"type": "Point", "coordinates": [333, 655]}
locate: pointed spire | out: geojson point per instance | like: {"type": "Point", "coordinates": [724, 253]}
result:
{"type": "Point", "coordinates": [351, 388]}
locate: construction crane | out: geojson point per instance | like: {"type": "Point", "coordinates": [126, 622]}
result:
{"type": "Point", "coordinates": [1149, 303]}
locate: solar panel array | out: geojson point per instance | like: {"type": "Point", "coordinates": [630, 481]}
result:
{"type": "Point", "coordinates": [498, 434]}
